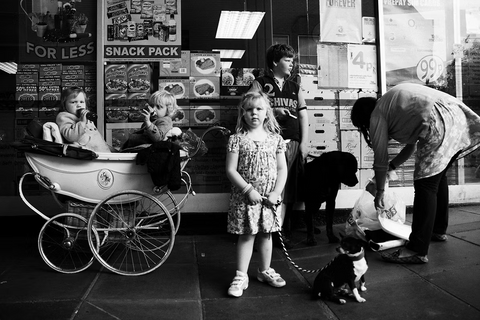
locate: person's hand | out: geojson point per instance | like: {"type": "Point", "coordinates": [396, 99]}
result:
{"type": "Point", "coordinates": [272, 199]}
{"type": "Point", "coordinates": [303, 150]}
{"type": "Point", "coordinates": [146, 113]}
{"type": "Point", "coordinates": [379, 199]}
{"type": "Point", "coordinates": [281, 113]}
{"type": "Point", "coordinates": [83, 115]}
{"type": "Point", "coordinates": [254, 197]}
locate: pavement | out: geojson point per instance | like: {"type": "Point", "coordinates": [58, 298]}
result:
{"type": "Point", "coordinates": [193, 282]}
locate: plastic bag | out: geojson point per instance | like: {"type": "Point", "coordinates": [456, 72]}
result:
{"type": "Point", "coordinates": [364, 216]}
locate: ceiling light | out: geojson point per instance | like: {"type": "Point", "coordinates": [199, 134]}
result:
{"type": "Point", "coordinates": [238, 24]}
{"type": "Point", "coordinates": [8, 67]}
{"type": "Point", "coordinates": [230, 54]}
{"type": "Point", "coordinates": [226, 64]}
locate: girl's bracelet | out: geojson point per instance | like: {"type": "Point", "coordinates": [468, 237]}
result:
{"type": "Point", "coordinates": [246, 188]}
{"type": "Point", "coordinates": [249, 190]}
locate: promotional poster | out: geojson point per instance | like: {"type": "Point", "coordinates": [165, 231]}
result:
{"type": "Point", "coordinates": [53, 31]}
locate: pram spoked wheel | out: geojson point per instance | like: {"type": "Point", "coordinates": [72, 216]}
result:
{"type": "Point", "coordinates": [136, 233]}
{"type": "Point", "coordinates": [63, 243]}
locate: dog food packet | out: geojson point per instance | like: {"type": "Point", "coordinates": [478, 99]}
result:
{"type": "Point", "coordinates": [121, 19]}
{"type": "Point", "coordinates": [148, 27]}
{"type": "Point", "coordinates": [159, 13]}
{"type": "Point", "coordinates": [147, 10]}
{"type": "Point", "coordinates": [136, 6]}
{"type": "Point", "coordinates": [171, 6]}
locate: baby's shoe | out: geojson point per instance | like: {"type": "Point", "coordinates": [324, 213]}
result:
{"type": "Point", "coordinates": [271, 277]}
{"type": "Point", "coordinates": [239, 283]}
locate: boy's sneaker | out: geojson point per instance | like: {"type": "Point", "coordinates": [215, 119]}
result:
{"type": "Point", "coordinates": [239, 283]}
{"type": "Point", "coordinates": [271, 277]}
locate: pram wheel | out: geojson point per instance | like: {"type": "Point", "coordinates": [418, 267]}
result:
{"type": "Point", "coordinates": [136, 233]}
{"type": "Point", "coordinates": [169, 201]}
{"type": "Point", "coordinates": [63, 243]}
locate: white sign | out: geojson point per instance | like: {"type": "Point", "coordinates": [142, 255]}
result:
{"type": "Point", "coordinates": [341, 21]}
{"type": "Point", "coordinates": [362, 67]}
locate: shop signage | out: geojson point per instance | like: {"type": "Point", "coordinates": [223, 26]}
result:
{"type": "Point", "coordinates": [415, 41]}
{"type": "Point", "coordinates": [362, 67]}
{"type": "Point", "coordinates": [141, 52]}
{"type": "Point", "coordinates": [141, 30]}
{"type": "Point", "coordinates": [341, 21]}
{"type": "Point", "coordinates": [53, 31]}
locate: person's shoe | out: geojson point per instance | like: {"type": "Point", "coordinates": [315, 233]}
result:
{"type": "Point", "coordinates": [239, 283]}
{"type": "Point", "coordinates": [271, 277]}
{"type": "Point", "coordinates": [439, 237]}
{"type": "Point", "coordinates": [395, 258]}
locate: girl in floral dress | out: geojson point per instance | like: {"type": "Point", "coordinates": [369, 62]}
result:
{"type": "Point", "coordinates": [257, 169]}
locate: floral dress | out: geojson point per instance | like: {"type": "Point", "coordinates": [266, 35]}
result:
{"type": "Point", "coordinates": [257, 164]}
{"type": "Point", "coordinates": [454, 129]}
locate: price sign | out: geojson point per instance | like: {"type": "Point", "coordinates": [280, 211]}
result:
{"type": "Point", "coordinates": [430, 68]}
{"type": "Point", "coordinates": [362, 67]}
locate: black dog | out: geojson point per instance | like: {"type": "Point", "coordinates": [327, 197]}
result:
{"type": "Point", "coordinates": [321, 183]}
{"type": "Point", "coordinates": [348, 268]}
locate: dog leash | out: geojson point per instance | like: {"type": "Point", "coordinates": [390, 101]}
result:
{"type": "Point", "coordinates": [285, 251]}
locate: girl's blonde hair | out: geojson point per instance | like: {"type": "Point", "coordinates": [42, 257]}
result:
{"type": "Point", "coordinates": [164, 98]}
{"type": "Point", "coordinates": [75, 91]}
{"type": "Point", "coordinates": [252, 98]}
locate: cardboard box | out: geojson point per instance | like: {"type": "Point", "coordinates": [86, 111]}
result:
{"type": "Point", "coordinates": [70, 77]}
{"type": "Point", "coordinates": [72, 83]}
{"type": "Point", "coordinates": [350, 142]}
{"type": "Point", "coordinates": [73, 67]}
{"type": "Point", "coordinates": [345, 118]}
{"type": "Point", "coordinates": [237, 81]}
{"type": "Point", "coordinates": [139, 77]}
{"type": "Point", "coordinates": [116, 78]}
{"type": "Point", "coordinates": [316, 148]}
{"type": "Point", "coordinates": [204, 87]}
{"type": "Point", "coordinates": [176, 67]}
{"type": "Point", "coordinates": [205, 64]}
{"type": "Point", "coordinates": [204, 114]}
{"type": "Point", "coordinates": [33, 67]}
{"type": "Point", "coordinates": [25, 88]}
{"type": "Point", "coordinates": [116, 100]}
{"type": "Point", "coordinates": [26, 77]}
{"type": "Point", "coordinates": [181, 118]}
{"type": "Point", "coordinates": [51, 74]}
{"type": "Point", "coordinates": [49, 99]}
{"type": "Point", "coordinates": [48, 112]}
{"type": "Point", "coordinates": [50, 82]}
{"type": "Point", "coordinates": [366, 155]}
{"type": "Point", "coordinates": [322, 117]}
{"type": "Point", "coordinates": [50, 67]}
{"type": "Point", "coordinates": [180, 88]}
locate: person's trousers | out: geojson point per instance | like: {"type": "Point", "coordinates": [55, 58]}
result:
{"type": "Point", "coordinates": [430, 210]}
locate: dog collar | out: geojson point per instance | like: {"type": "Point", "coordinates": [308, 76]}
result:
{"type": "Point", "coordinates": [358, 257]}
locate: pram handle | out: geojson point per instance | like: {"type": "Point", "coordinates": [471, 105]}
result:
{"type": "Point", "coordinates": [224, 131]}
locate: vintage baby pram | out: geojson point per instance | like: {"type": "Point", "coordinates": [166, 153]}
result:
{"type": "Point", "coordinates": [113, 211]}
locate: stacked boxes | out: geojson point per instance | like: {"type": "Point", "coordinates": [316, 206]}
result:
{"type": "Point", "coordinates": [322, 113]}
{"type": "Point", "coordinates": [205, 75]}
{"type": "Point", "coordinates": [237, 81]}
{"type": "Point", "coordinates": [127, 90]}
{"type": "Point", "coordinates": [26, 91]}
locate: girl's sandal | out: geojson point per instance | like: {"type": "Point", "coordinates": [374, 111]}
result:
{"type": "Point", "coordinates": [395, 258]}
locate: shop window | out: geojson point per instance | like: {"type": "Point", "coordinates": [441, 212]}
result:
{"type": "Point", "coordinates": [307, 49]}
{"type": "Point", "coordinates": [281, 39]}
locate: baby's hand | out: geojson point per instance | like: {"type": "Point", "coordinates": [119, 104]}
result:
{"type": "Point", "coordinates": [83, 115]}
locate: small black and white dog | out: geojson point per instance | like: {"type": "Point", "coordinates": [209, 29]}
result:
{"type": "Point", "coordinates": [322, 180]}
{"type": "Point", "coordinates": [347, 268]}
